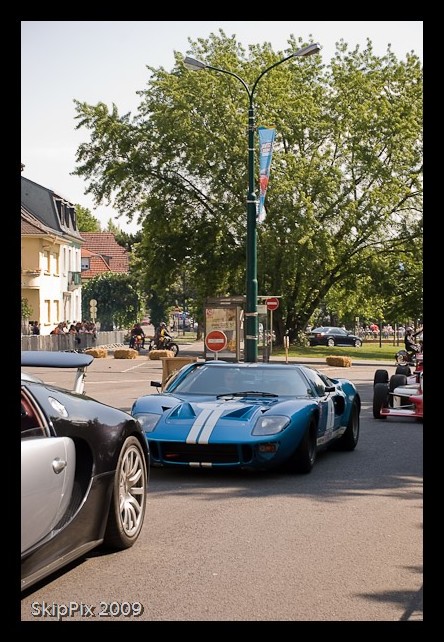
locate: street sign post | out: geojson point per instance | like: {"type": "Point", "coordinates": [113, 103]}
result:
{"type": "Point", "coordinates": [216, 340]}
{"type": "Point", "coordinates": [272, 303]}
{"type": "Point", "coordinates": [93, 309]}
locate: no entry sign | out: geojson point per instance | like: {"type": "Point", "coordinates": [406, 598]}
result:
{"type": "Point", "coordinates": [216, 340]}
{"type": "Point", "coordinates": [272, 303]}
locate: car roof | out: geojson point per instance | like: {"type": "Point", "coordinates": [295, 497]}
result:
{"type": "Point", "coordinates": [49, 359]}
{"type": "Point", "coordinates": [259, 365]}
{"type": "Point", "coordinates": [325, 327]}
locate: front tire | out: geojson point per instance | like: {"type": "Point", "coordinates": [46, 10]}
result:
{"type": "Point", "coordinates": [174, 348]}
{"type": "Point", "coordinates": [128, 502]}
{"type": "Point", "coordinates": [304, 458]}
{"type": "Point", "coordinates": [380, 400]}
{"type": "Point", "coordinates": [358, 343]}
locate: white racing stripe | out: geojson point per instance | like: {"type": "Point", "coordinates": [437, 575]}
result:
{"type": "Point", "coordinates": [198, 425]}
{"type": "Point", "coordinates": [211, 422]}
{"type": "Point", "coordinates": [202, 428]}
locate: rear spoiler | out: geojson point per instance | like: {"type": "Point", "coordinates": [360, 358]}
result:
{"type": "Point", "coordinates": [49, 359]}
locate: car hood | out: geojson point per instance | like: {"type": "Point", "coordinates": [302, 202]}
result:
{"type": "Point", "coordinates": [224, 419]}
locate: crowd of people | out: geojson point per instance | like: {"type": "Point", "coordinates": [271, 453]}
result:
{"type": "Point", "coordinates": [78, 327]}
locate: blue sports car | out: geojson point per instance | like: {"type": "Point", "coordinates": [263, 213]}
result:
{"type": "Point", "coordinates": [248, 415]}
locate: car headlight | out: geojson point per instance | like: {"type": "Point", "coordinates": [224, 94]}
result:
{"type": "Point", "coordinates": [270, 425]}
{"type": "Point", "coordinates": [148, 421]}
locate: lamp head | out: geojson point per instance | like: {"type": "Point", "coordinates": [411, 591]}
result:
{"type": "Point", "coordinates": [309, 50]}
{"type": "Point", "coordinates": [193, 65]}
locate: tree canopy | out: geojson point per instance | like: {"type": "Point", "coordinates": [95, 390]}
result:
{"type": "Point", "coordinates": [344, 201]}
{"type": "Point", "coordinates": [118, 302]}
{"type": "Point", "coordinates": [86, 222]}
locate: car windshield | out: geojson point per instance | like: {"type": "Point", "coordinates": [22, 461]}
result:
{"type": "Point", "coordinates": [226, 379]}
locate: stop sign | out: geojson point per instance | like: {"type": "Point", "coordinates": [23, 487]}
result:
{"type": "Point", "coordinates": [272, 303]}
{"type": "Point", "coordinates": [216, 340]}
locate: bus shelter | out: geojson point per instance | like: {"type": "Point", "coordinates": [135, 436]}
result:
{"type": "Point", "coordinates": [225, 314]}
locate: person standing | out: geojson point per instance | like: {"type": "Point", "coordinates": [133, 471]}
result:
{"type": "Point", "coordinates": [35, 327]}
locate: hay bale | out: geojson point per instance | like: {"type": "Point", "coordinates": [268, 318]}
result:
{"type": "Point", "coordinates": [97, 353]}
{"type": "Point", "coordinates": [125, 353]}
{"type": "Point", "coordinates": [156, 355]}
{"type": "Point", "coordinates": [341, 362]}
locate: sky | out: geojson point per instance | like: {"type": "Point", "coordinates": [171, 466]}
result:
{"type": "Point", "coordinates": [105, 61]}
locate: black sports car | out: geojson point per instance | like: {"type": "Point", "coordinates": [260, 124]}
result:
{"type": "Point", "coordinates": [331, 336]}
{"type": "Point", "coordinates": [84, 470]}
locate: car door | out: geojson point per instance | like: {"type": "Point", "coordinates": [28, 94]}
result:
{"type": "Point", "coordinates": [329, 422]}
{"type": "Point", "coordinates": [341, 337]}
{"type": "Point", "coordinates": [47, 478]}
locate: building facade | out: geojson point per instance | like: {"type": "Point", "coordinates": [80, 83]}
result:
{"type": "Point", "coordinates": [50, 256]}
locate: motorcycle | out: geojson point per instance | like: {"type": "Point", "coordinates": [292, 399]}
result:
{"type": "Point", "coordinates": [166, 344]}
{"type": "Point", "coordinates": [138, 342]}
{"type": "Point", "coordinates": [405, 360]}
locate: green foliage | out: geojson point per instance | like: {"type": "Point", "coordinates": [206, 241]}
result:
{"type": "Point", "coordinates": [86, 222]}
{"type": "Point", "coordinates": [128, 241]}
{"type": "Point", "coordinates": [27, 310]}
{"type": "Point", "coordinates": [118, 302]}
{"type": "Point", "coordinates": [344, 202]}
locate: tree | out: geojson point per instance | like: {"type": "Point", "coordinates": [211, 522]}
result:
{"type": "Point", "coordinates": [345, 183]}
{"type": "Point", "coordinates": [26, 312]}
{"type": "Point", "coordinates": [26, 308]}
{"type": "Point", "coordinates": [118, 302]}
{"type": "Point", "coordinates": [86, 222]}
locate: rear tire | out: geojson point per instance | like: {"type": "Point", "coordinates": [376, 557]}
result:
{"type": "Point", "coordinates": [403, 370]}
{"type": "Point", "coordinates": [381, 376]}
{"type": "Point", "coordinates": [380, 400]}
{"type": "Point", "coordinates": [397, 380]}
{"type": "Point", "coordinates": [349, 439]}
{"type": "Point", "coordinates": [330, 343]}
{"type": "Point", "coordinates": [128, 501]}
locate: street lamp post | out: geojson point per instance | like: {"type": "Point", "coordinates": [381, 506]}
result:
{"type": "Point", "coordinates": [251, 320]}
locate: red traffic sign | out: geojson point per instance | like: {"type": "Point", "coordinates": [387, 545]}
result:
{"type": "Point", "coordinates": [216, 340]}
{"type": "Point", "coordinates": [272, 303]}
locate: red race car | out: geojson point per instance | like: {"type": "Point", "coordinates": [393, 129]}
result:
{"type": "Point", "coordinates": [399, 396]}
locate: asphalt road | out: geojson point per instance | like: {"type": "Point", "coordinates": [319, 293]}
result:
{"type": "Point", "coordinates": [344, 543]}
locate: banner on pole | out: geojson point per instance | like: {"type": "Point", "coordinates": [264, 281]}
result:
{"type": "Point", "coordinates": [266, 140]}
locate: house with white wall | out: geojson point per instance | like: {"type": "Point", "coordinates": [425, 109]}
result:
{"type": "Point", "coordinates": [50, 256]}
